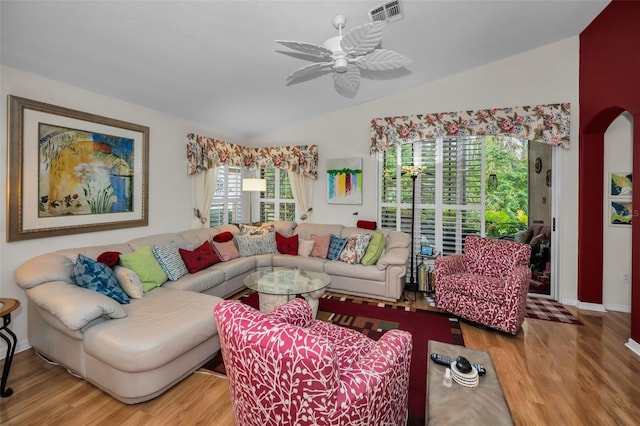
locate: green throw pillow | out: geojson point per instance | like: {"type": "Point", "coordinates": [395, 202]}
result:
{"type": "Point", "coordinates": [375, 249]}
{"type": "Point", "coordinates": [145, 265]}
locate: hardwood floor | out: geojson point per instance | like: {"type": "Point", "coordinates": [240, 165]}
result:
{"type": "Point", "coordinates": [551, 373]}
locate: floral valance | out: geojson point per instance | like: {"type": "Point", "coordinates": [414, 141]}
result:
{"type": "Point", "coordinates": [541, 123]}
{"type": "Point", "coordinates": [204, 153]}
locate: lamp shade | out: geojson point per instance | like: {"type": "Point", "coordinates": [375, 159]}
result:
{"type": "Point", "coordinates": [254, 185]}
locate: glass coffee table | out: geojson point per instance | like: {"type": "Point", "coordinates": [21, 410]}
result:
{"type": "Point", "coordinates": [276, 286]}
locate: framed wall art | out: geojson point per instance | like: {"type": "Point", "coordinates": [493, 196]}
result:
{"type": "Point", "coordinates": [621, 184]}
{"type": "Point", "coordinates": [72, 172]}
{"type": "Point", "coordinates": [620, 212]}
{"type": "Point", "coordinates": [344, 181]}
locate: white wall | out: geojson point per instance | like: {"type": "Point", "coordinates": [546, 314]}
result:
{"type": "Point", "coordinates": [170, 206]}
{"type": "Point", "coordinates": [618, 147]}
{"type": "Point", "coordinates": [545, 75]}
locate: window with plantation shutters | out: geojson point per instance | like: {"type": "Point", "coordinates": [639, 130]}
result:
{"type": "Point", "coordinates": [226, 206]}
{"type": "Point", "coordinates": [449, 202]}
{"type": "Point", "coordinates": [277, 202]}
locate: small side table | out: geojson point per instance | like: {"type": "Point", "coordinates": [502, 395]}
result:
{"type": "Point", "coordinates": [6, 307]}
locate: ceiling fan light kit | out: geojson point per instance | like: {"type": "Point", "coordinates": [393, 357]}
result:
{"type": "Point", "coordinates": [345, 55]}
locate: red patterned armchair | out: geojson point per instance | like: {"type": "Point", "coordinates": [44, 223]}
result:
{"type": "Point", "coordinates": [487, 284]}
{"type": "Point", "coordinates": [285, 368]}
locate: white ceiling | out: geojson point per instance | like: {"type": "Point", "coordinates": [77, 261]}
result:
{"type": "Point", "coordinates": [216, 62]}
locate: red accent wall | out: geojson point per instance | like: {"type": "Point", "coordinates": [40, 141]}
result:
{"type": "Point", "coordinates": [609, 85]}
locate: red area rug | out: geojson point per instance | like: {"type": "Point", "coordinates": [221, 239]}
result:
{"type": "Point", "coordinates": [373, 319]}
{"type": "Point", "coordinates": [549, 310]}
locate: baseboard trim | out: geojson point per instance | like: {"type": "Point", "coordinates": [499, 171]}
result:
{"type": "Point", "coordinates": [633, 346]}
{"type": "Point", "coordinates": [21, 346]}
{"type": "Point", "coordinates": [597, 307]}
{"type": "Point", "coordinates": [618, 308]}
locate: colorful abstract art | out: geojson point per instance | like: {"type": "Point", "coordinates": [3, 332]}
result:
{"type": "Point", "coordinates": [83, 172]}
{"type": "Point", "coordinates": [344, 181]}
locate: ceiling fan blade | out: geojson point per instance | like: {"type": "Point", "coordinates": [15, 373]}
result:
{"type": "Point", "coordinates": [383, 60]}
{"type": "Point", "coordinates": [308, 48]}
{"type": "Point", "coordinates": [347, 83]}
{"type": "Point", "coordinates": [309, 71]}
{"type": "Point", "coordinates": [363, 39]}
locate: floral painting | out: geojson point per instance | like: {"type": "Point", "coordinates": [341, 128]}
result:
{"type": "Point", "coordinates": [83, 172]}
{"type": "Point", "coordinates": [344, 181]}
{"type": "Point", "coordinates": [621, 184]}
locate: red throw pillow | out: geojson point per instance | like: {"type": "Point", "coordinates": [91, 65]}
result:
{"type": "Point", "coordinates": [287, 245]}
{"type": "Point", "coordinates": [367, 224]}
{"type": "Point", "coordinates": [200, 258]}
{"type": "Point", "coordinates": [223, 237]}
{"type": "Point", "coordinates": [109, 258]}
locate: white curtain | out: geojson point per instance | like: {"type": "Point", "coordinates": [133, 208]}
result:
{"type": "Point", "coordinates": [202, 189]}
{"type": "Point", "coordinates": [302, 188]}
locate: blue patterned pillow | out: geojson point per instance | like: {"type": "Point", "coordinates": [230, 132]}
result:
{"type": "Point", "coordinates": [99, 277]}
{"type": "Point", "coordinates": [170, 260]}
{"type": "Point", "coordinates": [335, 247]}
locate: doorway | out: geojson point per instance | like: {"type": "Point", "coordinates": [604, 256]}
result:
{"type": "Point", "coordinates": [540, 220]}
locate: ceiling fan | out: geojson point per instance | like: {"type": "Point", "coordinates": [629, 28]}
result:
{"type": "Point", "coordinates": [346, 55]}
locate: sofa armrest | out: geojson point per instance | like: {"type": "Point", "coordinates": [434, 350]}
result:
{"type": "Point", "coordinates": [393, 256]}
{"type": "Point", "coordinates": [378, 383]}
{"type": "Point", "coordinates": [295, 312]}
{"type": "Point", "coordinates": [42, 269]}
{"type": "Point", "coordinates": [74, 306]}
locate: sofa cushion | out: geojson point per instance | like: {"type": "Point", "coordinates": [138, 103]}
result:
{"type": "Point", "coordinates": [223, 237]}
{"type": "Point", "coordinates": [355, 248]}
{"type": "Point", "coordinates": [129, 281]}
{"type": "Point", "coordinates": [170, 261]}
{"type": "Point", "coordinates": [143, 262]}
{"type": "Point", "coordinates": [146, 340]}
{"type": "Point", "coordinates": [321, 245]}
{"type": "Point", "coordinates": [374, 250]}
{"type": "Point", "coordinates": [99, 277]}
{"type": "Point", "coordinates": [109, 258]}
{"type": "Point", "coordinates": [200, 258]}
{"type": "Point", "coordinates": [303, 262]}
{"type": "Point", "coordinates": [305, 247]}
{"type": "Point", "coordinates": [287, 245]}
{"type": "Point", "coordinates": [335, 247]}
{"type": "Point", "coordinates": [251, 244]}
{"type": "Point", "coordinates": [225, 251]}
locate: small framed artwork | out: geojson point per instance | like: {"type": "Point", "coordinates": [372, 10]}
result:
{"type": "Point", "coordinates": [620, 212]}
{"type": "Point", "coordinates": [344, 181]}
{"type": "Point", "coordinates": [620, 184]}
{"type": "Point", "coordinates": [72, 172]}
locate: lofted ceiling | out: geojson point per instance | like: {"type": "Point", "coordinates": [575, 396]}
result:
{"type": "Point", "coordinates": [216, 62]}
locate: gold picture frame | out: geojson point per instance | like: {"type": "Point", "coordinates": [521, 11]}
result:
{"type": "Point", "coordinates": [72, 172]}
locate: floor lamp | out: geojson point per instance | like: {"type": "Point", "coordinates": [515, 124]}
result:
{"type": "Point", "coordinates": [413, 172]}
{"type": "Point", "coordinates": [253, 185]}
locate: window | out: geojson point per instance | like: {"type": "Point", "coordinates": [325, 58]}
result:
{"type": "Point", "coordinates": [449, 198]}
{"type": "Point", "coordinates": [226, 206]}
{"type": "Point", "coordinates": [277, 202]}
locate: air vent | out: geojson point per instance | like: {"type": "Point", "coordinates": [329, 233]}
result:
{"type": "Point", "coordinates": [388, 12]}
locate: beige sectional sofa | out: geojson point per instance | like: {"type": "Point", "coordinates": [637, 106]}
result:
{"type": "Point", "coordinates": [137, 351]}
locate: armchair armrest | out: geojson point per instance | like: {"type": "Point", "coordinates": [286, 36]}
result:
{"type": "Point", "coordinates": [516, 285]}
{"type": "Point", "coordinates": [74, 306]}
{"type": "Point", "coordinates": [377, 385]}
{"type": "Point", "coordinates": [295, 312]}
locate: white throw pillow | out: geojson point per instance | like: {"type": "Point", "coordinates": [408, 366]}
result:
{"type": "Point", "coordinates": [305, 247]}
{"type": "Point", "coordinates": [129, 281]}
